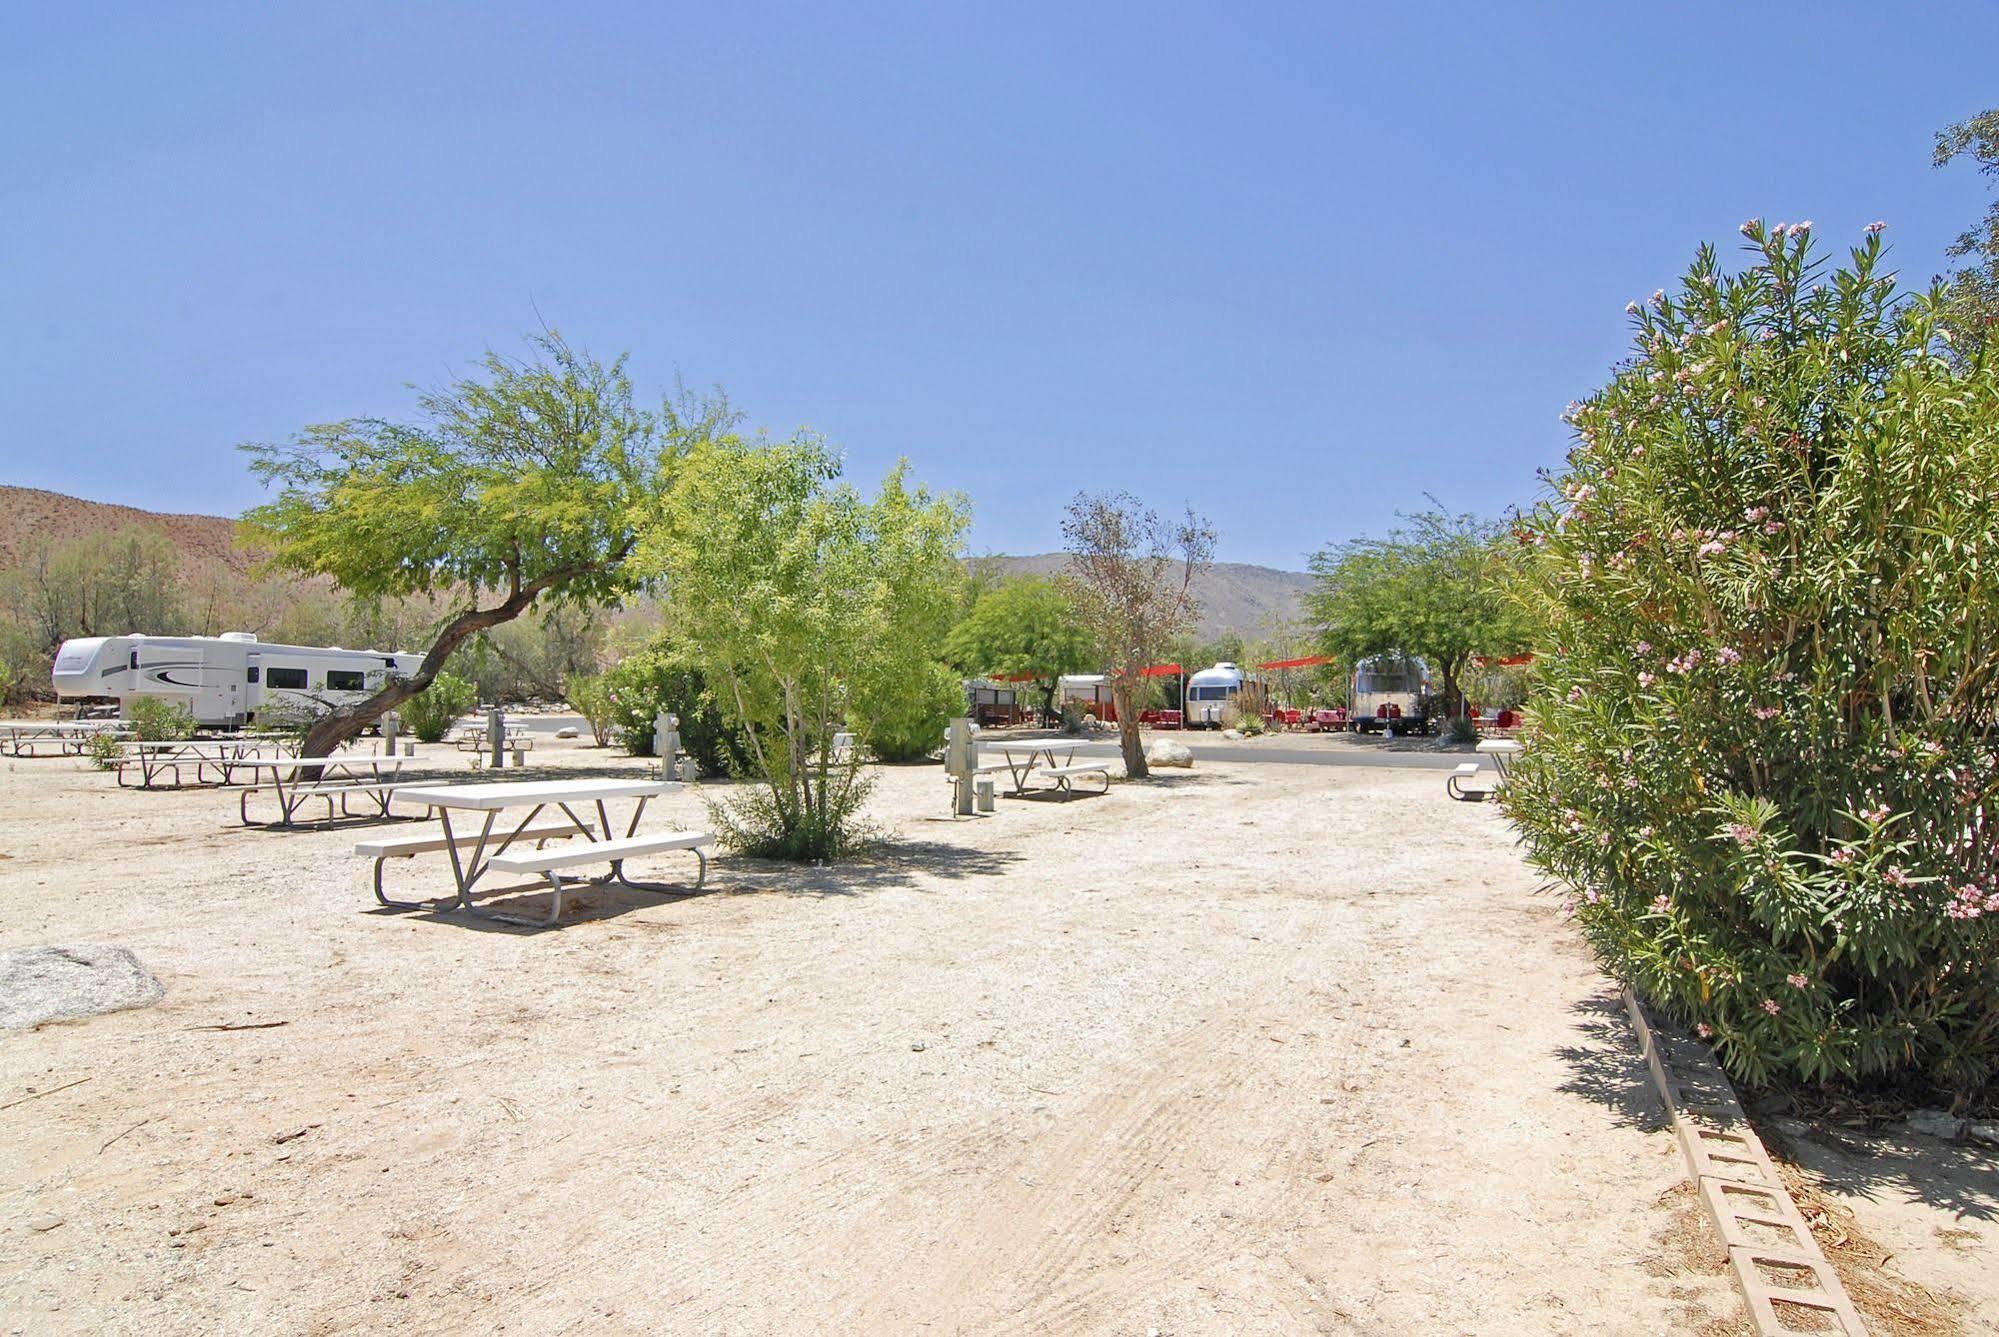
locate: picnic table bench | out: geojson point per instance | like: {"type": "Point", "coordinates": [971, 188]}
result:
{"type": "Point", "coordinates": [339, 777]}
{"type": "Point", "coordinates": [472, 857]}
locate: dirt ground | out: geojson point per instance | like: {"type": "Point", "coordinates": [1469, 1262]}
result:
{"type": "Point", "coordinates": [1262, 1048]}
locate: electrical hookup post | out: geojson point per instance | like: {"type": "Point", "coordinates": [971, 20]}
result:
{"type": "Point", "coordinates": [961, 760]}
{"type": "Point", "coordinates": [666, 743]}
{"type": "Point", "coordinates": [496, 736]}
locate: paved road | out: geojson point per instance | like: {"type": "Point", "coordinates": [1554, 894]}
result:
{"type": "Point", "coordinates": [1278, 750]}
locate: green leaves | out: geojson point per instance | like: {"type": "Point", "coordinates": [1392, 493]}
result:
{"type": "Point", "coordinates": [1771, 668]}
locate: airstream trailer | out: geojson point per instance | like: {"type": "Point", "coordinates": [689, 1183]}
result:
{"type": "Point", "coordinates": [1391, 693]}
{"type": "Point", "coordinates": [1210, 690]}
{"type": "Point", "coordinates": [225, 680]}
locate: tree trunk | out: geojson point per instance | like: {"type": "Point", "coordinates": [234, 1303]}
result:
{"type": "Point", "coordinates": [1048, 699]}
{"type": "Point", "coordinates": [1125, 699]}
{"type": "Point", "coordinates": [344, 723]}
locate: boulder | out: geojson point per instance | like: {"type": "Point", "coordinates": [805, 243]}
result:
{"type": "Point", "coordinates": [567, 731]}
{"type": "Point", "coordinates": [1168, 752]}
{"type": "Point", "coordinates": [64, 983]}
{"type": "Point", "coordinates": [1233, 734]}
{"type": "Point", "coordinates": [1936, 1123]}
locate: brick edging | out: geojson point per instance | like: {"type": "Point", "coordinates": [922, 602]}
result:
{"type": "Point", "coordinates": [1744, 1196]}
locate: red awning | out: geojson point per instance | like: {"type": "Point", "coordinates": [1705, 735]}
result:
{"type": "Point", "coordinates": [1308, 661]}
{"type": "Point", "coordinates": [1161, 671]}
{"type": "Point", "coordinates": [1515, 661]}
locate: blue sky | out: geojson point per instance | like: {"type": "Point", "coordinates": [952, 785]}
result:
{"type": "Point", "coordinates": [1296, 265]}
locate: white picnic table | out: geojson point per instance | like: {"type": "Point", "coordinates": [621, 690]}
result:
{"type": "Point", "coordinates": [291, 791]}
{"type": "Point", "coordinates": [493, 798]}
{"type": "Point", "coordinates": [1024, 756]}
{"type": "Point", "coordinates": [1502, 751]}
{"type": "Point", "coordinates": [220, 755]}
{"type": "Point", "coordinates": [69, 738]}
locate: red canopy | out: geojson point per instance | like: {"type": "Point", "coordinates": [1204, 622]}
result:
{"type": "Point", "coordinates": [1161, 671]}
{"type": "Point", "coordinates": [1307, 662]}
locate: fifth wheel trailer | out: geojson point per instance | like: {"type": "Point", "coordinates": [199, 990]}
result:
{"type": "Point", "coordinates": [225, 680]}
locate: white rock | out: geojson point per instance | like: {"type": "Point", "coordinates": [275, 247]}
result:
{"type": "Point", "coordinates": [40, 984]}
{"type": "Point", "coordinates": [567, 731]}
{"type": "Point", "coordinates": [1986, 1132]}
{"type": "Point", "coordinates": [1936, 1123]}
{"type": "Point", "coordinates": [1232, 733]}
{"type": "Point", "coordinates": [1167, 752]}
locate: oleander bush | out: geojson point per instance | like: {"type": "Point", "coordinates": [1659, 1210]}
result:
{"type": "Point", "coordinates": [1764, 747]}
{"type": "Point", "coordinates": [662, 677]}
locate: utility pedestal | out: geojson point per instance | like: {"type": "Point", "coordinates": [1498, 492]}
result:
{"type": "Point", "coordinates": [496, 737]}
{"type": "Point", "coordinates": [961, 759]}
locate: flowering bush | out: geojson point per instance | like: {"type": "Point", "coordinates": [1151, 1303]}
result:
{"type": "Point", "coordinates": [661, 677]}
{"type": "Point", "coordinates": [1763, 753]}
{"type": "Point", "coordinates": [431, 712]}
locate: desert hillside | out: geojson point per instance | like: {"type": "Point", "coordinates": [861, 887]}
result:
{"type": "Point", "coordinates": [1234, 596]}
{"type": "Point", "coordinates": [29, 517]}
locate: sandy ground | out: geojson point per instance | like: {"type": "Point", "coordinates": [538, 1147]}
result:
{"type": "Point", "coordinates": [1260, 1049]}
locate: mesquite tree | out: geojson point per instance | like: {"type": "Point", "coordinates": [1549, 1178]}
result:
{"type": "Point", "coordinates": [1764, 749]}
{"type": "Point", "coordinates": [1129, 594]}
{"type": "Point", "coordinates": [519, 484]}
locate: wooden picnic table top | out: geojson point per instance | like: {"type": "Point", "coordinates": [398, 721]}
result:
{"type": "Point", "coordinates": [494, 795]}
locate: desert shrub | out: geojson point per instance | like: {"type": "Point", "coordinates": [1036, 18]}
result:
{"type": "Point", "coordinates": [590, 697]}
{"type": "Point", "coordinates": [661, 677]}
{"type": "Point", "coordinates": [1243, 716]}
{"type": "Point", "coordinates": [905, 720]}
{"type": "Point", "coordinates": [156, 720]}
{"type": "Point", "coordinates": [1762, 750]}
{"type": "Point", "coordinates": [756, 822]}
{"type": "Point", "coordinates": [103, 750]}
{"type": "Point", "coordinates": [1461, 730]}
{"type": "Point", "coordinates": [431, 713]}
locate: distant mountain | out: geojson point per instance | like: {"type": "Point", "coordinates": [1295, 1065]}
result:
{"type": "Point", "coordinates": [30, 517]}
{"type": "Point", "coordinates": [1234, 596]}
{"type": "Point", "coordinates": [1248, 600]}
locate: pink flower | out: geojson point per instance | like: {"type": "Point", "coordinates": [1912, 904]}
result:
{"type": "Point", "coordinates": [1800, 229]}
{"type": "Point", "coordinates": [1712, 549]}
{"type": "Point", "coordinates": [1660, 904]}
{"type": "Point", "coordinates": [1755, 513]}
{"type": "Point", "coordinates": [1646, 680]}
{"type": "Point", "coordinates": [1841, 856]}
{"type": "Point", "coordinates": [1728, 654]}
{"type": "Point", "coordinates": [1704, 1030]}
{"type": "Point", "coordinates": [1767, 712]}
{"type": "Point", "coordinates": [1631, 308]}
{"type": "Point", "coordinates": [1770, 1006]}
{"type": "Point", "coordinates": [1744, 833]}
{"type": "Point", "coordinates": [1875, 227]}
{"type": "Point", "coordinates": [1644, 647]}
{"type": "Point", "coordinates": [1749, 227]}
{"type": "Point", "coordinates": [1795, 981]}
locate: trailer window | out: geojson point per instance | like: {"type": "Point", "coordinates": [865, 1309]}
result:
{"type": "Point", "coordinates": [345, 680]}
{"type": "Point", "coordinates": [1217, 693]}
{"type": "Point", "coordinates": [252, 673]}
{"type": "Point", "coordinates": [134, 663]}
{"type": "Point", "coordinates": [285, 677]}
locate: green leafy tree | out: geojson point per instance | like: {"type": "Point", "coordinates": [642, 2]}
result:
{"type": "Point", "coordinates": [900, 694]}
{"type": "Point", "coordinates": [1025, 627]}
{"type": "Point", "coordinates": [1435, 588]}
{"type": "Point", "coordinates": [520, 484]}
{"type": "Point", "coordinates": [1131, 576]}
{"type": "Point", "coordinates": [1974, 288]}
{"type": "Point", "coordinates": [442, 703]}
{"type": "Point", "coordinates": [786, 586]}
{"type": "Point", "coordinates": [156, 720]}
{"type": "Point", "coordinates": [1764, 749]}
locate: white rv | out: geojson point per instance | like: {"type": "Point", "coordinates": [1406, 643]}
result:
{"type": "Point", "coordinates": [1213, 688]}
{"type": "Point", "coordinates": [225, 680]}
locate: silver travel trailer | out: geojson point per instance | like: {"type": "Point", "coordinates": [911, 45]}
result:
{"type": "Point", "coordinates": [1210, 691]}
{"type": "Point", "coordinates": [225, 680]}
{"type": "Point", "coordinates": [1391, 693]}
